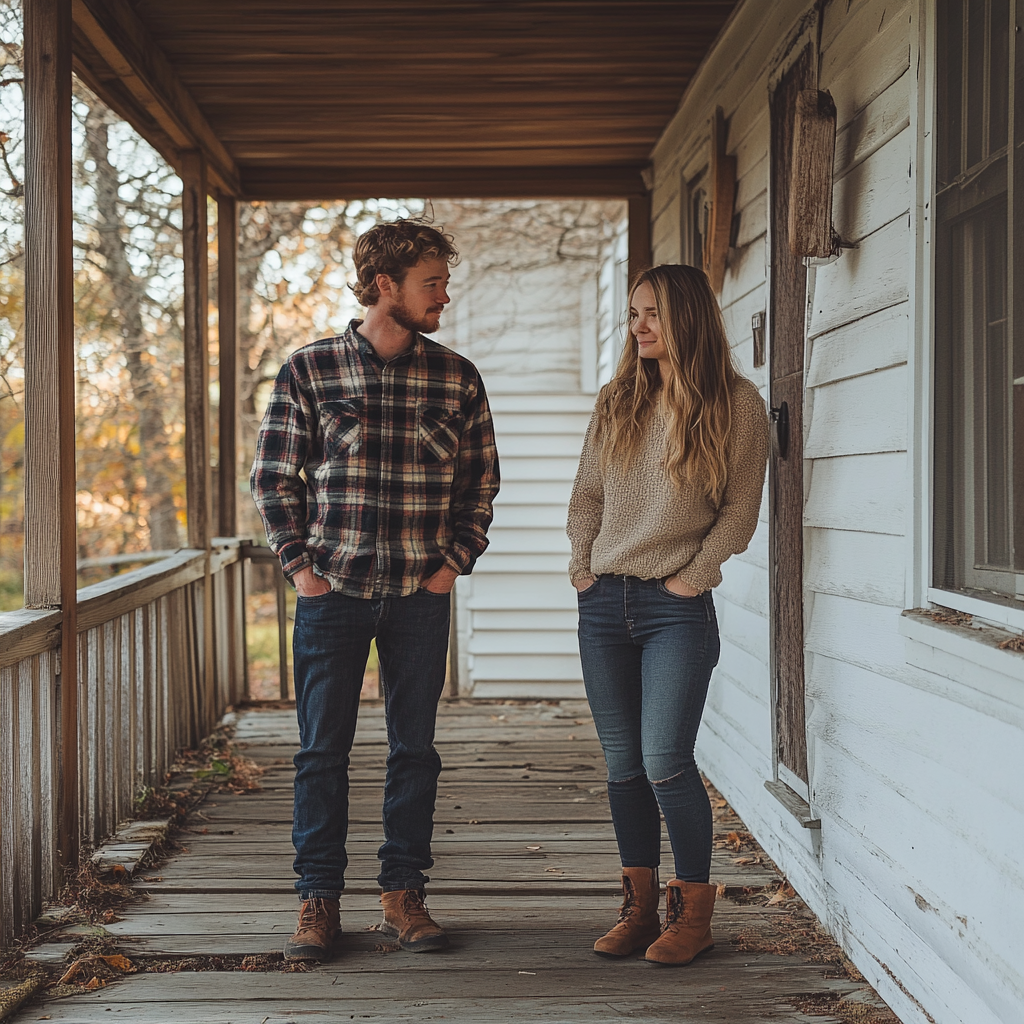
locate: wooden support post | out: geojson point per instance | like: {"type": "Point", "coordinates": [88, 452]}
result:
{"type": "Point", "coordinates": [198, 483]}
{"type": "Point", "coordinates": [50, 541]}
{"type": "Point", "coordinates": [639, 235]}
{"type": "Point", "coordinates": [227, 318]}
{"type": "Point", "coordinates": [197, 356]}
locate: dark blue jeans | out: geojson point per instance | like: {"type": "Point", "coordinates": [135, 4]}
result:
{"type": "Point", "coordinates": [647, 660]}
{"type": "Point", "coordinates": [331, 643]}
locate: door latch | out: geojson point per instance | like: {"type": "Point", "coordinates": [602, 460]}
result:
{"type": "Point", "coordinates": [780, 430]}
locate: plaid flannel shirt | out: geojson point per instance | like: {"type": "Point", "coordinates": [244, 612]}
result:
{"type": "Point", "coordinates": [376, 473]}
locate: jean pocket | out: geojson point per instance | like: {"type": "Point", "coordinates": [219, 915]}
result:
{"type": "Point", "coordinates": [313, 597]}
{"type": "Point", "coordinates": [662, 589]}
{"type": "Point", "coordinates": [581, 594]}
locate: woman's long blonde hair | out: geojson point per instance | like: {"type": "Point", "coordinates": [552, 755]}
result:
{"type": "Point", "coordinates": [697, 402]}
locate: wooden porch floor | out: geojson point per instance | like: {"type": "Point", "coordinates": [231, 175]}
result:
{"type": "Point", "coordinates": [525, 880]}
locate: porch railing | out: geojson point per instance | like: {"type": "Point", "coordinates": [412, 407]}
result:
{"type": "Point", "coordinates": [161, 652]}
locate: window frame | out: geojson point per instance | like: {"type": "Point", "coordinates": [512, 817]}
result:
{"type": "Point", "coordinates": [975, 595]}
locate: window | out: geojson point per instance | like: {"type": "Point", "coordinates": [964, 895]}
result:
{"type": "Point", "coordinates": [694, 220]}
{"type": "Point", "coordinates": [979, 313]}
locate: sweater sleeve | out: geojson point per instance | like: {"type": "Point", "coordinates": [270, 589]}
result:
{"type": "Point", "coordinates": [586, 506]}
{"type": "Point", "coordinates": [746, 458]}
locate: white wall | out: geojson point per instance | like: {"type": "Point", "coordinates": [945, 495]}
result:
{"type": "Point", "coordinates": [534, 306]}
{"type": "Point", "coordinates": [915, 730]}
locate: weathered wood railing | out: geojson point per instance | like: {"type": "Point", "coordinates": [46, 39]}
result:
{"type": "Point", "coordinates": [161, 653]}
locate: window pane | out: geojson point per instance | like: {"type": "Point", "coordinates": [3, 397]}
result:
{"type": "Point", "coordinates": [999, 75]}
{"type": "Point", "coordinates": [950, 89]}
{"type": "Point", "coordinates": [991, 400]}
{"type": "Point", "coordinates": [977, 80]}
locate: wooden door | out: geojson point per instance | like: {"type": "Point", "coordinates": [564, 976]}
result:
{"type": "Point", "coordinates": [785, 473]}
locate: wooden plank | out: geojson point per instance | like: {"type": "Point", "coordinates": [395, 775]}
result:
{"type": "Point", "coordinates": [197, 357]}
{"type": "Point", "coordinates": [119, 36]}
{"type": "Point", "coordinates": [859, 416]}
{"type": "Point", "coordinates": [50, 511]}
{"type": "Point", "coordinates": [874, 342]}
{"type": "Point", "coordinates": [859, 492]}
{"type": "Point", "coordinates": [639, 230]}
{"type": "Point", "coordinates": [27, 632]}
{"type": "Point", "coordinates": [460, 181]}
{"type": "Point", "coordinates": [227, 365]}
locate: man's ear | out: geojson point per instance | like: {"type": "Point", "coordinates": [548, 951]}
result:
{"type": "Point", "coordinates": [385, 284]}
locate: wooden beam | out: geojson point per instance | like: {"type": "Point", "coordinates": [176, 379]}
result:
{"type": "Point", "coordinates": [197, 356]}
{"type": "Point", "coordinates": [723, 199]}
{"type": "Point", "coordinates": [459, 182]}
{"type": "Point", "coordinates": [50, 534]}
{"type": "Point", "coordinates": [639, 231]}
{"type": "Point", "coordinates": [119, 37]}
{"type": "Point", "coordinates": [227, 320]}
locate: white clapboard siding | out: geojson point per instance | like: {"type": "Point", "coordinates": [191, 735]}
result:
{"type": "Point", "coordinates": [517, 612]}
{"type": "Point", "coordinates": [915, 734]}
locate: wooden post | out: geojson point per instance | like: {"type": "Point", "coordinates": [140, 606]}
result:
{"type": "Point", "coordinates": [198, 483]}
{"type": "Point", "coordinates": [50, 542]}
{"type": "Point", "coordinates": [227, 318]}
{"type": "Point", "coordinates": [723, 198]}
{"type": "Point", "coordinates": [639, 230]}
{"type": "Point", "coordinates": [197, 356]}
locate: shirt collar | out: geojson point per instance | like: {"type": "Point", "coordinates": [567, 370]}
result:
{"type": "Point", "coordinates": [366, 349]}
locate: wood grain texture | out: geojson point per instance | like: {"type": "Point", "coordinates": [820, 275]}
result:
{"type": "Point", "coordinates": [227, 363]}
{"type": "Point", "coordinates": [810, 186]}
{"type": "Point", "coordinates": [196, 344]}
{"type": "Point", "coordinates": [521, 901]}
{"type": "Point", "coordinates": [122, 49]}
{"type": "Point", "coordinates": [785, 476]}
{"type": "Point", "coordinates": [266, 94]}
{"type": "Point", "coordinates": [723, 196]}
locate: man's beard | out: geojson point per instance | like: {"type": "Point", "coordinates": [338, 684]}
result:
{"type": "Point", "coordinates": [402, 316]}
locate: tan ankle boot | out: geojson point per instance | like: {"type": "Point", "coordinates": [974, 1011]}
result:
{"type": "Point", "coordinates": [319, 923]}
{"type": "Point", "coordinates": [638, 925]}
{"type": "Point", "coordinates": [406, 919]}
{"type": "Point", "coordinates": [687, 931]}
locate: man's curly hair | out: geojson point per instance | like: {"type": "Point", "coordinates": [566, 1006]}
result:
{"type": "Point", "coordinates": [393, 249]}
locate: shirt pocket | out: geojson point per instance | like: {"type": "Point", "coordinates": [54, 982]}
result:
{"type": "Point", "coordinates": [341, 424]}
{"type": "Point", "coordinates": [440, 428]}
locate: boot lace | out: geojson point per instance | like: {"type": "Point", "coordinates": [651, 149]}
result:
{"type": "Point", "coordinates": [312, 911]}
{"type": "Point", "coordinates": [629, 901]}
{"type": "Point", "coordinates": [673, 905]}
{"type": "Point", "coordinates": [413, 905]}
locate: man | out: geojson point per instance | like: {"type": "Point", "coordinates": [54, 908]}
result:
{"type": "Point", "coordinates": [392, 436]}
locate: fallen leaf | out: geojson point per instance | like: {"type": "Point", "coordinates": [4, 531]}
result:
{"type": "Point", "coordinates": [122, 963]}
{"type": "Point", "coordinates": [721, 890]}
{"type": "Point", "coordinates": [91, 986]}
{"type": "Point", "coordinates": [1014, 643]}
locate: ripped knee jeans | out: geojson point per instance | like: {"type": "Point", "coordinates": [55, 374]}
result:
{"type": "Point", "coordinates": [647, 660]}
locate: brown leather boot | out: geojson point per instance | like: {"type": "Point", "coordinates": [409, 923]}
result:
{"type": "Point", "coordinates": [319, 922]}
{"type": "Point", "coordinates": [406, 919]}
{"type": "Point", "coordinates": [638, 925]}
{"type": "Point", "coordinates": [687, 931]}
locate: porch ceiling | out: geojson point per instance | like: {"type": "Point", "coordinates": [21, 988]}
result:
{"type": "Point", "coordinates": [316, 99]}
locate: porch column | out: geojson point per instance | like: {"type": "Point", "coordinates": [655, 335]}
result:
{"type": "Point", "coordinates": [227, 318]}
{"type": "Point", "coordinates": [639, 232]}
{"type": "Point", "coordinates": [50, 544]}
{"type": "Point", "coordinates": [197, 355]}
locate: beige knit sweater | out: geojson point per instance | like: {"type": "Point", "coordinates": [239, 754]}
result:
{"type": "Point", "coordinates": [635, 522]}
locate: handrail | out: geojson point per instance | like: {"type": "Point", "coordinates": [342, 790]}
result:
{"type": "Point", "coordinates": [27, 632]}
{"type": "Point", "coordinates": [30, 631]}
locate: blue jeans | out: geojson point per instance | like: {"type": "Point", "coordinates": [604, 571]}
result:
{"type": "Point", "coordinates": [647, 660]}
{"type": "Point", "coordinates": [331, 643]}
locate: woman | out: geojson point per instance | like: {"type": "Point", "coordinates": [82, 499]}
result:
{"type": "Point", "coordinates": [669, 486]}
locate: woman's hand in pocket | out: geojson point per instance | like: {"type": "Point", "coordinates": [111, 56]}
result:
{"type": "Point", "coordinates": [584, 583]}
{"type": "Point", "coordinates": [674, 585]}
